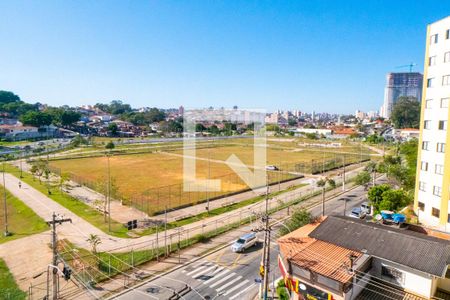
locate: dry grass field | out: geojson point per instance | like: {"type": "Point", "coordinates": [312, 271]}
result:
{"type": "Point", "coordinates": [151, 181]}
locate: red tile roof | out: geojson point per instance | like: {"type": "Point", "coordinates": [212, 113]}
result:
{"type": "Point", "coordinates": [317, 256]}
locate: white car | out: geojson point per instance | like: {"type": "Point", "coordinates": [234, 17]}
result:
{"type": "Point", "coordinates": [244, 242]}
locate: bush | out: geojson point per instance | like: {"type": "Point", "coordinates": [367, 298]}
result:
{"type": "Point", "coordinates": [362, 178]}
{"type": "Point", "coordinates": [282, 291]}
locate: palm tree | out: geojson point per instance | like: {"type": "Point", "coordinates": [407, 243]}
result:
{"type": "Point", "coordinates": [94, 240]}
{"type": "Point", "coordinates": [323, 183]}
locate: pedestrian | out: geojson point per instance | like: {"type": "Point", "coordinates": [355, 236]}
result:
{"type": "Point", "coordinates": [20, 185]}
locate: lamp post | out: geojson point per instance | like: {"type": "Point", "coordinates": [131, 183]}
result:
{"type": "Point", "coordinates": [5, 207]}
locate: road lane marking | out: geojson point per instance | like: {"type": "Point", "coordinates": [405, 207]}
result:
{"type": "Point", "coordinates": [236, 260]}
{"type": "Point", "coordinates": [236, 287]}
{"type": "Point", "coordinates": [243, 291]}
{"type": "Point", "coordinates": [218, 276]}
{"type": "Point", "coordinates": [220, 255]}
{"type": "Point", "coordinates": [202, 272]}
{"type": "Point", "coordinates": [220, 288]}
{"type": "Point", "coordinates": [222, 280]}
{"type": "Point", "coordinates": [196, 270]}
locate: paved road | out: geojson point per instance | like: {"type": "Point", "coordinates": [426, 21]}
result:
{"type": "Point", "coordinates": [228, 275]}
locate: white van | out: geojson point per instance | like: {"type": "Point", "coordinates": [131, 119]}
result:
{"type": "Point", "coordinates": [244, 242]}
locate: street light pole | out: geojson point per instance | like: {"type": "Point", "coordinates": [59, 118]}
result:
{"type": "Point", "coordinates": [109, 195]}
{"type": "Point", "coordinates": [5, 207]}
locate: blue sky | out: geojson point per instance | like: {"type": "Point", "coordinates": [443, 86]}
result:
{"type": "Point", "coordinates": [306, 54]}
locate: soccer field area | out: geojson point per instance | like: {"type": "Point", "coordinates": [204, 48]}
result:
{"type": "Point", "coordinates": [151, 181]}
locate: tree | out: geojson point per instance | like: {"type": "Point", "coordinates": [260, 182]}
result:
{"type": "Point", "coordinates": [36, 118]}
{"type": "Point", "coordinates": [8, 97]}
{"type": "Point", "coordinates": [94, 240]}
{"type": "Point", "coordinates": [78, 140]}
{"type": "Point", "coordinates": [374, 139]}
{"type": "Point", "coordinates": [406, 113]}
{"type": "Point", "coordinates": [299, 218]}
{"type": "Point", "coordinates": [110, 145]}
{"type": "Point", "coordinates": [363, 178]}
{"type": "Point", "coordinates": [39, 168]}
{"type": "Point", "coordinates": [375, 194]}
{"type": "Point", "coordinates": [393, 200]}
{"type": "Point", "coordinates": [113, 128]}
{"type": "Point", "coordinates": [323, 183]}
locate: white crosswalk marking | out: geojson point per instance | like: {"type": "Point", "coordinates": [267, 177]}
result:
{"type": "Point", "coordinates": [221, 280]}
{"type": "Point", "coordinates": [241, 292]}
{"type": "Point", "coordinates": [202, 272]}
{"type": "Point", "coordinates": [197, 269]}
{"type": "Point", "coordinates": [220, 288]}
{"type": "Point", "coordinates": [217, 276]}
{"type": "Point", "coordinates": [236, 287]}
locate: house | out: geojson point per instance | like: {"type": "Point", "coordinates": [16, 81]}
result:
{"type": "Point", "coordinates": [19, 132]}
{"type": "Point", "coordinates": [409, 133]}
{"type": "Point", "coordinates": [341, 258]}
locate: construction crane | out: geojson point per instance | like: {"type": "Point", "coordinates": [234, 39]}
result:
{"type": "Point", "coordinates": [410, 66]}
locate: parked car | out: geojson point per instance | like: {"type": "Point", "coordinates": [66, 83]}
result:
{"type": "Point", "coordinates": [367, 208]}
{"type": "Point", "coordinates": [244, 242]}
{"type": "Point", "coordinates": [272, 168]}
{"type": "Point", "coordinates": [357, 212]}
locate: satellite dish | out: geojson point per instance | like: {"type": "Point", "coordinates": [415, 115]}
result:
{"type": "Point", "coordinates": [378, 217]}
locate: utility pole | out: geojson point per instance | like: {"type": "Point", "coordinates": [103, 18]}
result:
{"type": "Point", "coordinates": [20, 161]}
{"type": "Point", "coordinates": [54, 265]}
{"type": "Point", "coordinates": [343, 174]}
{"type": "Point", "coordinates": [109, 196]}
{"type": "Point", "coordinates": [5, 206]}
{"type": "Point", "coordinates": [209, 176]}
{"type": "Point", "coordinates": [265, 263]}
{"type": "Point", "coordinates": [165, 230]}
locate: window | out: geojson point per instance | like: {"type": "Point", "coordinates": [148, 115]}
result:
{"type": "Point", "coordinates": [446, 80]}
{"type": "Point", "coordinates": [428, 103]}
{"type": "Point", "coordinates": [447, 34]}
{"type": "Point", "coordinates": [421, 206]}
{"type": "Point", "coordinates": [435, 212]}
{"type": "Point", "coordinates": [425, 145]}
{"type": "Point", "coordinates": [430, 82]}
{"type": "Point", "coordinates": [447, 57]}
{"type": "Point", "coordinates": [439, 169]}
{"type": "Point", "coordinates": [432, 60]}
{"type": "Point", "coordinates": [422, 186]}
{"type": "Point", "coordinates": [426, 124]}
{"type": "Point", "coordinates": [442, 125]}
{"type": "Point", "coordinates": [434, 39]}
{"type": "Point", "coordinates": [424, 166]}
{"type": "Point", "coordinates": [440, 147]}
{"type": "Point", "coordinates": [437, 190]}
{"type": "Point", "coordinates": [444, 102]}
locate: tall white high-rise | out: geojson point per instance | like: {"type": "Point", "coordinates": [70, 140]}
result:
{"type": "Point", "coordinates": [432, 193]}
{"type": "Point", "coordinates": [401, 85]}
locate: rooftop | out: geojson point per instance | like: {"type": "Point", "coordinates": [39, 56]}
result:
{"type": "Point", "coordinates": [317, 256]}
{"type": "Point", "coordinates": [409, 248]}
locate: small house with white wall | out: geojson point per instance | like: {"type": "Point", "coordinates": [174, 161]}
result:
{"type": "Point", "coordinates": [343, 258]}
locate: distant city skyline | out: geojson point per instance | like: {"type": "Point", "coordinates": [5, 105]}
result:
{"type": "Point", "coordinates": [323, 56]}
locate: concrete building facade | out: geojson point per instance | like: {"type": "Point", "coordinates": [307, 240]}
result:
{"type": "Point", "coordinates": [433, 167]}
{"type": "Point", "coordinates": [401, 85]}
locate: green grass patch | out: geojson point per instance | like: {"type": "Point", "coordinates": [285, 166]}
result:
{"type": "Point", "coordinates": [8, 286]}
{"type": "Point", "coordinates": [74, 205]}
{"type": "Point", "coordinates": [22, 221]}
